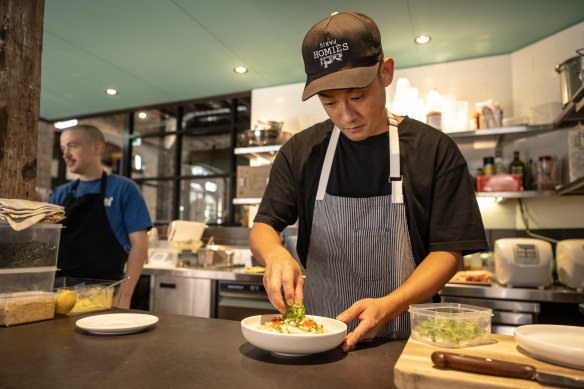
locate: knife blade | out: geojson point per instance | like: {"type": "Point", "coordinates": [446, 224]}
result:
{"type": "Point", "coordinates": [502, 368]}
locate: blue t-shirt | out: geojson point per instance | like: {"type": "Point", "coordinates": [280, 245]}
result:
{"type": "Point", "coordinates": [124, 204]}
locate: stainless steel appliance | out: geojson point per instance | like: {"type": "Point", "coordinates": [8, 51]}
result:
{"type": "Point", "coordinates": [523, 262]}
{"type": "Point", "coordinates": [237, 300]}
{"type": "Point", "coordinates": [181, 295]}
{"type": "Point", "coordinates": [570, 263]}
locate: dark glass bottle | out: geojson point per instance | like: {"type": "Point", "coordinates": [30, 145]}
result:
{"type": "Point", "coordinates": [518, 167]}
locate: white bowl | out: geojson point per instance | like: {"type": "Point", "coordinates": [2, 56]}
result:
{"type": "Point", "coordinates": [293, 344]}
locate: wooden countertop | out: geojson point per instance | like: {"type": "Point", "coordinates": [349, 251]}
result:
{"type": "Point", "coordinates": [181, 351]}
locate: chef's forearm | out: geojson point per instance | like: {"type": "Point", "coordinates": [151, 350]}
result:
{"type": "Point", "coordinates": [265, 243]}
{"type": "Point", "coordinates": [428, 278]}
{"type": "Point", "coordinates": [136, 259]}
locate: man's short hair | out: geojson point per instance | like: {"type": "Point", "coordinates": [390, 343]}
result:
{"type": "Point", "coordinates": [93, 134]}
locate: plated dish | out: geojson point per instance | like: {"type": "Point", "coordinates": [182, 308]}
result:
{"type": "Point", "coordinates": [558, 344]}
{"type": "Point", "coordinates": [293, 344]}
{"type": "Point", "coordinates": [116, 323]}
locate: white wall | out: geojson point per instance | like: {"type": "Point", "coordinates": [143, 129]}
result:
{"type": "Point", "coordinates": [518, 82]}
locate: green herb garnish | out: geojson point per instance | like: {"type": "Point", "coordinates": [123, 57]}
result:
{"type": "Point", "coordinates": [295, 311]}
{"type": "Point", "coordinates": [451, 330]}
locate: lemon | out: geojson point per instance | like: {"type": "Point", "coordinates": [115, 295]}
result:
{"type": "Point", "coordinates": [66, 300]}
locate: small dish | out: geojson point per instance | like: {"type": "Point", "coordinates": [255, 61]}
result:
{"type": "Point", "coordinates": [116, 323]}
{"type": "Point", "coordinates": [293, 344]}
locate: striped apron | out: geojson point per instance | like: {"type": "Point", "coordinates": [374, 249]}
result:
{"type": "Point", "coordinates": [359, 247]}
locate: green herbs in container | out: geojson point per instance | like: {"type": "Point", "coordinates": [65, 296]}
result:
{"type": "Point", "coordinates": [450, 324]}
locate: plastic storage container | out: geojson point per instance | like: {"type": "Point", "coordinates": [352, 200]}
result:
{"type": "Point", "coordinates": [90, 295]}
{"type": "Point", "coordinates": [36, 246]}
{"type": "Point", "coordinates": [450, 325]}
{"type": "Point", "coordinates": [26, 307]}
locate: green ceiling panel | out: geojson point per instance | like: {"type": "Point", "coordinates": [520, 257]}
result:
{"type": "Point", "coordinates": [159, 51]}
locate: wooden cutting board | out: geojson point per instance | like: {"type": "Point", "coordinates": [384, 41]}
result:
{"type": "Point", "coordinates": [414, 368]}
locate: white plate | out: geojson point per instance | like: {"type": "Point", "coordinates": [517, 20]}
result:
{"type": "Point", "coordinates": [559, 344]}
{"type": "Point", "coordinates": [116, 323]}
{"type": "Point", "coordinates": [293, 344]}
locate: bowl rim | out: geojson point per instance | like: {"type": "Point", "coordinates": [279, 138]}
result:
{"type": "Point", "coordinates": [332, 333]}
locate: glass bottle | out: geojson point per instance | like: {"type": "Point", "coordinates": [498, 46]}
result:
{"type": "Point", "coordinates": [518, 167]}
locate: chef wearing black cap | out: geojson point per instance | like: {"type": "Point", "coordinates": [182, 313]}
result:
{"type": "Point", "coordinates": [385, 204]}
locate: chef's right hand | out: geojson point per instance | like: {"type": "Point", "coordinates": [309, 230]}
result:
{"type": "Point", "coordinates": [284, 272]}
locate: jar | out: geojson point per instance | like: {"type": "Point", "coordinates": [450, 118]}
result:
{"type": "Point", "coordinates": [488, 165]}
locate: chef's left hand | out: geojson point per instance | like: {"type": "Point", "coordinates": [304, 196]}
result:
{"type": "Point", "coordinates": [372, 314]}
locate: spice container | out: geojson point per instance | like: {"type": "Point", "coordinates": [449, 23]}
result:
{"type": "Point", "coordinates": [450, 324]}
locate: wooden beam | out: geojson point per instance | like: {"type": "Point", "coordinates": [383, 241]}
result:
{"type": "Point", "coordinates": [21, 33]}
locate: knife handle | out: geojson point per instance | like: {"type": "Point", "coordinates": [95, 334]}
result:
{"type": "Point", "coordinates": [483, 365]}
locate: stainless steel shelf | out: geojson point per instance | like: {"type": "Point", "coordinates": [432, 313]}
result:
{"type": "Point", "coordinates": [239, 201]}
{"type": "Point", "coordinates": [573, 111]}
{"type": "Point", "coordinates": [258, 152]}
{"type": "Point", "coordinates": [523, 130]}
{"type": "Point", "coordinates": [573, 188]}
{"type": "Point", "coordinates": [517, 194]}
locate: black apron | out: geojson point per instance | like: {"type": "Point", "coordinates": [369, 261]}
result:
{"type": "Point", "coordinates": [88, 246]}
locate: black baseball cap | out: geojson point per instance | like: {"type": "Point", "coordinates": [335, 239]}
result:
{"type": "Point", "coordinates": [342, 51]}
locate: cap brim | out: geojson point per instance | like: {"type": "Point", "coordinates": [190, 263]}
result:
{"type": "Point", "coordinates": [343, 79]}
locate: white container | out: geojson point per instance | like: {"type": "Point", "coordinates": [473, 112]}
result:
{"type": "Point", "coordinates": [570, 262]}
{"type": "Point", "coordinates": [162, 257]}
{"type": "Point", "coordinates": [523, 262]}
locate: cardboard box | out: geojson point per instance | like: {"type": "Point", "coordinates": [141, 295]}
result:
{"type": "Point", "coordinates": [252, 180]}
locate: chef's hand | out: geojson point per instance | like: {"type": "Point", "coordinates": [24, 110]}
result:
{"type": "Point", "coordinates": [284, 272]}
{"type": "Point", "coordinates": [372, 314]}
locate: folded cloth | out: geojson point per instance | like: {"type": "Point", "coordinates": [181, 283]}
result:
{"type": "Point", "coordinates": [21, 214]}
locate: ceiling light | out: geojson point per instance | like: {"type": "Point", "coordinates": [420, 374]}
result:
{"type": "Point", "coordinates": [240, 70]}
{"type": "Point", "coordinates": [142, 115]}
{"type": "Point", "coordinates": [111, 92]}
{"type": "Point", "coordinates": [423, 39]}
{"type": "Point", "coordinates": [66, 124]}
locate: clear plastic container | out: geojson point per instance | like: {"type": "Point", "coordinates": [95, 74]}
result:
{"type": "Point", "coordinates": [90, 295]}
{"type": "Point", "coordinates": [36, 246]}
{"type": "Point", "coordinates": [26, 307]}
{"type": "Point", "coordinates": [27, 279]}
{"type": "Point", "coordinates": [450, 324]}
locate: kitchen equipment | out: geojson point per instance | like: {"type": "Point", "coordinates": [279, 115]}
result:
{"type": "Point", "coordinates": [501, 368]}
{"type": "Point", "coordinates": [559, 344]}
{"type": "Point", "coordinates": [523, 262]}
{"type": "Point", "coordinates": [162, 257]}
{"type": "Point", "coordinates": [571, 76]}
{"type": "Point", "coordinates": [414, 368]}
{"type": "Point", "coordinates": [264, 132]}
{"type": "Point", "coordinates": [293, 344]}
{"type": "Point", "coordinates": [237, 300]}
{"type": "Point", "coordinates": [185, 235]}
{"type": "Point", "coordinates": [570, 263]}
{"type": "Point", "coordinates": [450, 324]}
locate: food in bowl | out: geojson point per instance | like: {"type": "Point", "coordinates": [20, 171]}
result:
{"type": "Point", "coordinates": [450, 324]}
{"type": "Point", "coordinates": [293, 322]}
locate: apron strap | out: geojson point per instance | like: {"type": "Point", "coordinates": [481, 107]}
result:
{"type": "Point", "coordinates": [328, 162]}
{"type": "Point", "coordinates": [394, 163]}
{"type": "Point", "coordinates": [395, 177]}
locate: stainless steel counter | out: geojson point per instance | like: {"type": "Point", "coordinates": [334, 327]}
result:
{"type": "Point", "coordinates": [554, 294]}
{"type": "Point", "coordinates": [233, 274]}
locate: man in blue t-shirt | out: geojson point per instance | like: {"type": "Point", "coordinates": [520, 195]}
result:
{"type": "Point", "coordinates": [105, 235]}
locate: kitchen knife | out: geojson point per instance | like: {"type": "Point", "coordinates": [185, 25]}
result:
{"type": "Point", "coordinates": [502, 368]}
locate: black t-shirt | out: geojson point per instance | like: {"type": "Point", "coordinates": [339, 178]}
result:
{"type": "Point", "coordinates": [441, 206]}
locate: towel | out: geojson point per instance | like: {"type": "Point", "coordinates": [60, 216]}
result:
{"type": "Point", "coordinates": [21, 214]}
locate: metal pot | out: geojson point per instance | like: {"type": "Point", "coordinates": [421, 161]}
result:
{"type": "Point", "coordinates": [571, 76]}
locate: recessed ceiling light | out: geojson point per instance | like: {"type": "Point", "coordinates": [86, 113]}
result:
{"type": "Point", "coordinates": [240, 70]}
{"type": "Point", "coordinates": [111, 91]}
{"type": "Point", "coordinates": [423, 39]}
{"type": "Point", "coordinates": [66, 124]}
{"type": "Point", "coordinates": [142, 115]}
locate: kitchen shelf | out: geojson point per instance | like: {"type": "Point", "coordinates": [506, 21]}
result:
{"type": "Point", "coordinates": [523, 130]}
{"type": "Point", "coordinates": [523, 194]}
{"type": "Point", "coordinates": [258, 152]}
{"type": "Point", "coordinates": [240, 201]}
